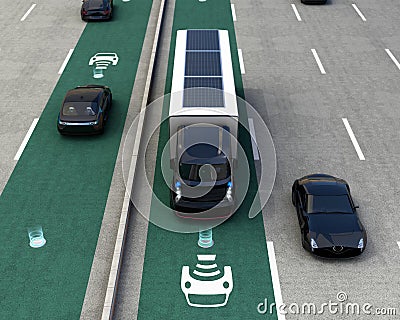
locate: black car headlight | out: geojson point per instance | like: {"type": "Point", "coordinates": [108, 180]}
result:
{"type": "Point", "coordinates": [313, 244]}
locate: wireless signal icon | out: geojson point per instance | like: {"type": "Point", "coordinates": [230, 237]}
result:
{"type": "Point", "coordinates": [101, 61]}
{"type": "Point", "coordinates": [209, 287]}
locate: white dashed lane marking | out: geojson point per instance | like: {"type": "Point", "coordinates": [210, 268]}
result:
{"type": "Point", "coordinates": [390, 54]}
{"type": "Point", "coordinates": [65, 61]}
{"type": "Point", "coordinates": [253, 139]}
{"type": "Point", "coordinates": [359, 12]}
{"type": "Point", "coordinates": [26, 139]}
{"type": "Point", "coordinates": [316, 57]}
{"type": "Point", "coordinates": [233, 12]}
{"type": "Point", "coordinates": [353, 139]}
{"type": "Point", "coordinates": [241, 63]}
{"type": "Point", "coordinates": [28, 12]}
{"type": "Point", "coordinates": [296, 12]}
{"type": "Point", "coordinates": [275, 278]}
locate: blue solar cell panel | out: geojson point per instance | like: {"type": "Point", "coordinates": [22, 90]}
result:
{"type": "Point", "coordinates": [203, 97]}
{"type": "Point", "coordinates": [202, 40]}
{"type": "Point", "coordinates": [191, 82]}
{"type": "Point", "coordinates": [203, 64]}
{"type": "Point", "coordinates": [203, 74]}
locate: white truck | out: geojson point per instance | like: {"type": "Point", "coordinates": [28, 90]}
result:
{"type": "Point", "coordinates": [203, 125]}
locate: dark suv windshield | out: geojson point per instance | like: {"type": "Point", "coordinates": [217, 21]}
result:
{"type": "Point", "coordinates": [329, 204]}
{"type": "Point", "coordinates": [204, 172]}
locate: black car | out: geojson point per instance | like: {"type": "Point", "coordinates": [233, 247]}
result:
{"type": "Point", "coordinates": [97, 9]}
{"type": "Point", "coordinates": [328, 219]}
{"type": "Point", "coordinates": [85, 109]}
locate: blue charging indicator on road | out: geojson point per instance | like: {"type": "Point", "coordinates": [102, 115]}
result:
{"type": "Point", "coordinates": [205, 239]}
{"type": "Point", "coordinates": [36, 237]}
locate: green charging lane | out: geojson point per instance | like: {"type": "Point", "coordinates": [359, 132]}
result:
{"type": "Point", "coordinates": [60, 184]}
{"type": "Point", "coordinates": [240, 245]}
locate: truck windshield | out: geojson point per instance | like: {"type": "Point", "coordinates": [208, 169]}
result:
{"type": "Point", "coordinates": [204, 172]}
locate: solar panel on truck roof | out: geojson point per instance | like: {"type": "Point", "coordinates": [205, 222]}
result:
{"type": "Point", "coordinates": [203, 97]}
{"type": "Point", "coordinates": [203, 81]}
{"type": "Point", "coordinates": [203, 70]}
{"type": "Point", "coordinates": [193, 82]}
{"type": "Point", "coordinates": [202, 40]}
{"type": "Point", "coordinates": [203, 63]}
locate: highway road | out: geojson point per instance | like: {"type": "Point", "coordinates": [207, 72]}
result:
{"type": "Point", "coordinates": [324, 79]}
{"type": "Point", "coordinates": [32, 52]}
{"type": "Point", "coordinates": [304, 106]}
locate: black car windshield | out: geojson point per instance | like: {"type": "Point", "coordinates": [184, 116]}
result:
{"type": "Point", "coordinates": [205, 173]}
{"type": "Point", "coordinates": [79, 109]}
{"type": "Point", "coordinates": [329, 204]}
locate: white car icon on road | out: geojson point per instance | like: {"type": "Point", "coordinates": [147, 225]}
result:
{"type": "Point", "coordinates": [104, 57]}
{"type": "Point", "coordinates": [192, 287]}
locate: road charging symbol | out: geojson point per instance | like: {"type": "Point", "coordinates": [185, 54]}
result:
{"type": "Point", "coordinates": [100, 61]}
{"type": "Point", "coordinates": [221, 285]}
{"type": "Point", "coordinates": [36, 237]}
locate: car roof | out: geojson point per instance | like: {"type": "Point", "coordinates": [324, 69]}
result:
{"type": "Point", "coordinates": [83, 94]}
{"type": "Point", "coordinates": [323, 184]}
{"type": "Point", "coordinates": [325, 188]}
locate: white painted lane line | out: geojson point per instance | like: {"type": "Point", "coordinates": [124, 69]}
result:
{"type": "Point", "coordinates": [26, 139]}
{"type": "Point", "coordinates": [398, 243]}
{"type": "Point", "coordinates": [353, 139]}
{"type": "Point", "coordinates": [321, 67]}
{"type": "Point", "coordinates": [254, 144]}
{"type": "Point", "coordinates": [275, 279]}
{"type": "Point", "coordinates": [65, 61]}
{"type": "Point", "coordinates": [296, 12]}
{"type": "Point", "coordinates": [233, 12]}
{"type": "Point", "coordinates": [390, 54]}
{"type": "Point", "coordinates": [241, 63]}
{"type": "Point", "coordinates": [28, 12]}
{"type": "Point", "coordinates": [359, 12]}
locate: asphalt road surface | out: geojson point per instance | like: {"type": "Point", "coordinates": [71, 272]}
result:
{"type": "Point", "coordinates": [304, 110]}
{"type": "Point", "coordinates": [315, 73]}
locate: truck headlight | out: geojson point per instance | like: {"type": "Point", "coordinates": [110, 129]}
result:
{"type": "Point", "coordinates": [313, 244]}
{"type": "Point", "coordinates": [361, 243]}
{"type": "Point", "coordinates": [229, 191]}
{"type": "Point", "coordinates": [178, 191]}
